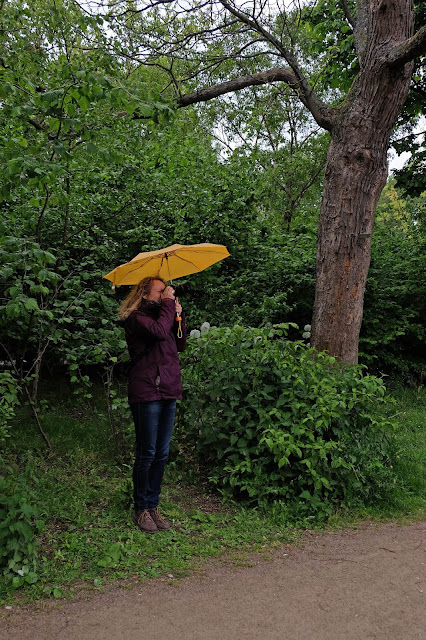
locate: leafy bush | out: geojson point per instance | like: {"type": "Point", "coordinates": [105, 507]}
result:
{"type": "Point", "coordinates": [19, 524]}
{"type": "Point", "coordinates": [393, 329]}
{"type": "Point", "coordinates": [275, 421]}
{"type": "Point", "coordinates": [9, 399]}
{"type": "Point", "coordinates": [393, 332]}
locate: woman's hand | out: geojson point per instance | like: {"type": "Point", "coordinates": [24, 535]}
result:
{"type": "Point", "coordinates": [178, 307]}
{"type": "Point", "coordinates": [168, 294]}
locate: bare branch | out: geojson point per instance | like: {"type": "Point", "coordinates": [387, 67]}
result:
{"type": "Point", "coordinates": [242, 17]}
{"type": "Point", "coordinates": [323, 114]}
{"type": "Point", "coordinates": [135, 11]}
{"type": "Point", "coordinates": [82, 8]}
{"type": "Point", "coordinates": [409, 50]}
{"type": "Point", "coordinates": [40, 218]}
{"type": "Point", "coordinates": [347, 13]}
{"type": "Point", "coordinates": [30, 400]}
{"type": "Point", "coordinates": [309, 183]}
{"type": "Point", "coordinates": [409, 135]}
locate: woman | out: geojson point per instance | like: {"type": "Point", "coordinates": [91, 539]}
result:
{"type": "Point", "coordinates": [148, 316]}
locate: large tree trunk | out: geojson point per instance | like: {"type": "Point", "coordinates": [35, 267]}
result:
{"type": "Point", "coordinates": [355, 174]}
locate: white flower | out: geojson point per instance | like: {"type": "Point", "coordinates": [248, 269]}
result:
{"type": "Point", "coordinates": [306, 335]}
{"type": "Point", "coordinates": [205, 327]}
{"type": "Point", "coordinates": [195, 333]}
{"type": "Point", "coordinates": [307, 327]}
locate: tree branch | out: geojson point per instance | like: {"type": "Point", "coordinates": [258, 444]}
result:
{"type": "Point", "coordinates": [40, 218]}
{"type": "Point", "coordinates": [408, 50]}
{"type": "Point", "coordinates": [323, 114]}
{"type": "Point", "coordinates": [347, 13]}
{"type": "Point", "coordinates": [409, 135]}
{"type": "Point", "coordinates": [37, 125]}
{"type": "Point", "coordinates": [361, 28]}
{"type": "Point", "coordinates": [32, 404]}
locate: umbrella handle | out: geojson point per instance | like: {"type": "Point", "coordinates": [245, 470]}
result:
{"type": "Point", "coordinates": [179, 321]}
{"type": "Point", "coordinates": [178, 318]}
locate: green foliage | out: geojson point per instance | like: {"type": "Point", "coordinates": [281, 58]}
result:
{"type": "Point", "coordinates": [275, 422]}
{"type": "Point", "coordinates": [330, 39]}
{"type": "Point", "coordinates": [83, 497]}
{"type": "Point", "coordinates": [98, 166]}
{"type": "Point", "coordinates": [410, 412]}
{"type": "Point", "coordinates": [9, 400]}
{"type": "Point", "coordinates": [393, 330]}
{"type": "Point", "coordinates": [19, 525]}
{"type": "Point", "coordinates": [68, 115]}
{"type": "Point", "coordinates": [89, 540]}
{"type": "Point", "coordinates": [57, 99]}
{"type": "Point", "coordinates": [411, 177]}
{"type": "Point", "coordinates": [27, 269]}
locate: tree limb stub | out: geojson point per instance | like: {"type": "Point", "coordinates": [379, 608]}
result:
{"type": "Point", "coordinates": [323, 114]}
{"type": "Point", "coordinates": [361, 28]}
{"type": "Point", "coordinates": [409, 49]}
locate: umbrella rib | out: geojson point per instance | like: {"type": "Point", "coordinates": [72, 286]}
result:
{"type": "Point", "coordinates": [198, 250]}
{"type": "Point", "coordinates": [139, 265]}
{"type": "Point", "coordinates": [189, 262]}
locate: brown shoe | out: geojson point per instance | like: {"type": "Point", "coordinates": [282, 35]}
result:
{"type": "Point", "coordinates": [144, 521]}
{"type": "Point", "coordinates": [162, 525]}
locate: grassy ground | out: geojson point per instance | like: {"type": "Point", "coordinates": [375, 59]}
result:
{"type": "Point", "coordinates": [410, 415]}
{"type": "Point", "coordinates": [84, 497]}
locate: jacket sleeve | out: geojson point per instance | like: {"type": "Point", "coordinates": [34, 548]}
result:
{"type": "Point", "coordinates": [180, 342]}
{"type": "Point", "coordinates": [158, 329]}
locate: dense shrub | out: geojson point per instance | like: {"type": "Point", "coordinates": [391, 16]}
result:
{"type": "Point", "coordinates": [393, 329]}
{"type": "Point", "coordinates": [9, 400]}
{"type": "Point", "coordinates": [273, 421]}
{"type": "Point", "coordinates": [19, 525]}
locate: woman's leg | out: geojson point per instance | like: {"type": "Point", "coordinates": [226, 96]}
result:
{"type": "Point", "coordinates": [146, 416]}
{"type": "Point", "coordinates": [162, 446]}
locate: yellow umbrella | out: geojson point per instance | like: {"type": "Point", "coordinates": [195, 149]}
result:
{"type": "Point", "coordinates": [172, 262]}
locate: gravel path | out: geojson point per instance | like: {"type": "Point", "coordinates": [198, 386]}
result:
{"type": "Point", "coordinates": [362, 584]}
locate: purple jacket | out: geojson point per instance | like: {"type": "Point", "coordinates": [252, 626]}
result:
{"type": "Point", "coordinates": [151, 335]}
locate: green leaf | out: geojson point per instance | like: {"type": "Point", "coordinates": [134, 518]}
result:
{"type": "Point", "coordinates": [84, 103]}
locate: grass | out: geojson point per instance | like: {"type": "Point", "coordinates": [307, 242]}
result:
{"type": "Point", "coordinates": [409, 412]}
{"type": "Point", "coordinates": [84, 497]}
{"type": "Point", "coordinates": [409, 500]}
{"type": "Point", "coordinates": [88, 541]}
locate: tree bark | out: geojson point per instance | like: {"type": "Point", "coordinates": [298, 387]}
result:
{"type": "Point", "coordinates": [355, 174]}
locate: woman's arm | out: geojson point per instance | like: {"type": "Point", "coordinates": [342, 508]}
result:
{"type": "Point", "coordinates": [157, 329]}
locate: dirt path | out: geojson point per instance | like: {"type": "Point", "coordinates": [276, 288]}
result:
{"type": "Point", "coordinates": [358, 584]}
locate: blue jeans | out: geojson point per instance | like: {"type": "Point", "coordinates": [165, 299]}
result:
{"type": "Point", "coordinates": [154, 427]}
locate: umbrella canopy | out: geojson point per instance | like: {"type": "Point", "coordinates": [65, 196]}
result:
{"type": "Point", "coordinates": [170, 263]}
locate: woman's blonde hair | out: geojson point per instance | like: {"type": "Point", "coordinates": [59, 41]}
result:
{"type": "Point", "coordinates": [135, 297]}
